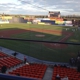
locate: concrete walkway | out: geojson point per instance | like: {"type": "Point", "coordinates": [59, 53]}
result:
{"type": "Point", "coordinates": [48, 74]}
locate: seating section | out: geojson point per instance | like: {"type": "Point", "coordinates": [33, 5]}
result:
{"type": "Point", "coordinates": [31, 71]}
{"type": "Point", "coordinates": [3, 55]}
{"type": "Point", "coordinates": [62, 71]}
{"type": "Point", "coordinates": [8, 61]}
{"type": "Point", "coordinates": [36, 70]}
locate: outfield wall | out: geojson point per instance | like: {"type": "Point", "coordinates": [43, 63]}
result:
{"type": "Point", "coordinates": [42, 21]}
{"type": "Point", "coordinates": [48, 21]}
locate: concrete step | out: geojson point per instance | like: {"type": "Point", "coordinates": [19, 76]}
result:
{"type": "Point", "coordinates": [48, 74]}
{"type": "Point", "coordinates": [14, 68]}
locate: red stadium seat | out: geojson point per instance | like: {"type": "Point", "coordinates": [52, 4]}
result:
{"type": "Point", "coordinates": [33, 71]}
{"type": "Point", "coordinates": [65, 71]}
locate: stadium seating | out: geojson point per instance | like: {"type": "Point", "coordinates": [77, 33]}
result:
{"type": "Point", "coordinates": [8, 61]}
{"type": "Point", "coordinates": [35, 70]}
{"type": "Point", "coordinates": [2, 54]}
{"type": "Point", "coordinates": [62, 71]}
{"type": "Point", "coordinates": [31, 71]}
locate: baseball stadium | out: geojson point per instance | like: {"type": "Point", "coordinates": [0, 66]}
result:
{"type": "Point", "coordinates": [39, 47]}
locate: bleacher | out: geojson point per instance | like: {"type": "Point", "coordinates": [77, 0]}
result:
{"type": "Point", "coordinates": [3, 55]}
{"type": "Point", "coordinates": [35, 70]}
{"type": "Point", "coordinates": [8, 61]}
{"type": "Point", "coordinates": [71, 73]}
{"type": "Point", "coordinates": [31, 71]}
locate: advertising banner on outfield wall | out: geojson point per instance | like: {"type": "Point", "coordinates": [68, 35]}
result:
{"type": "Point", "coordinates": [36, 21]}
{"type": "Point", "coordinates": [4, 22]}
{"type": "Point", "coordinates": [45, 19]}
{"type": "Point", "coordinates": [41, 23]}
{"type": "Point", "coordinates": [60, 22]}
{"type": "Point", "coordinates": [68, 23]}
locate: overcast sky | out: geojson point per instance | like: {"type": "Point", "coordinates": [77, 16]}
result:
{"type": "Point", "coordinates": [36, 7]}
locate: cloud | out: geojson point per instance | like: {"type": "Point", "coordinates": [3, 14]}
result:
{"type": "Point", "coordinates": [39, 6]}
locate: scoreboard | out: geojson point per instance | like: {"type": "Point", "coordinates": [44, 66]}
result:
{"type": "Point", "coordinates": [53, 14]}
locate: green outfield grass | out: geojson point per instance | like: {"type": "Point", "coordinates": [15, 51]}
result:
{"type": "Point", "coordinates": [39, 50]}
{"type": "Point", "coordinates": [26, 26]}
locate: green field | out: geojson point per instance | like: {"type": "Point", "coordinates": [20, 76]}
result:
{"type": "Point", "coordinates": [39, 50]}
